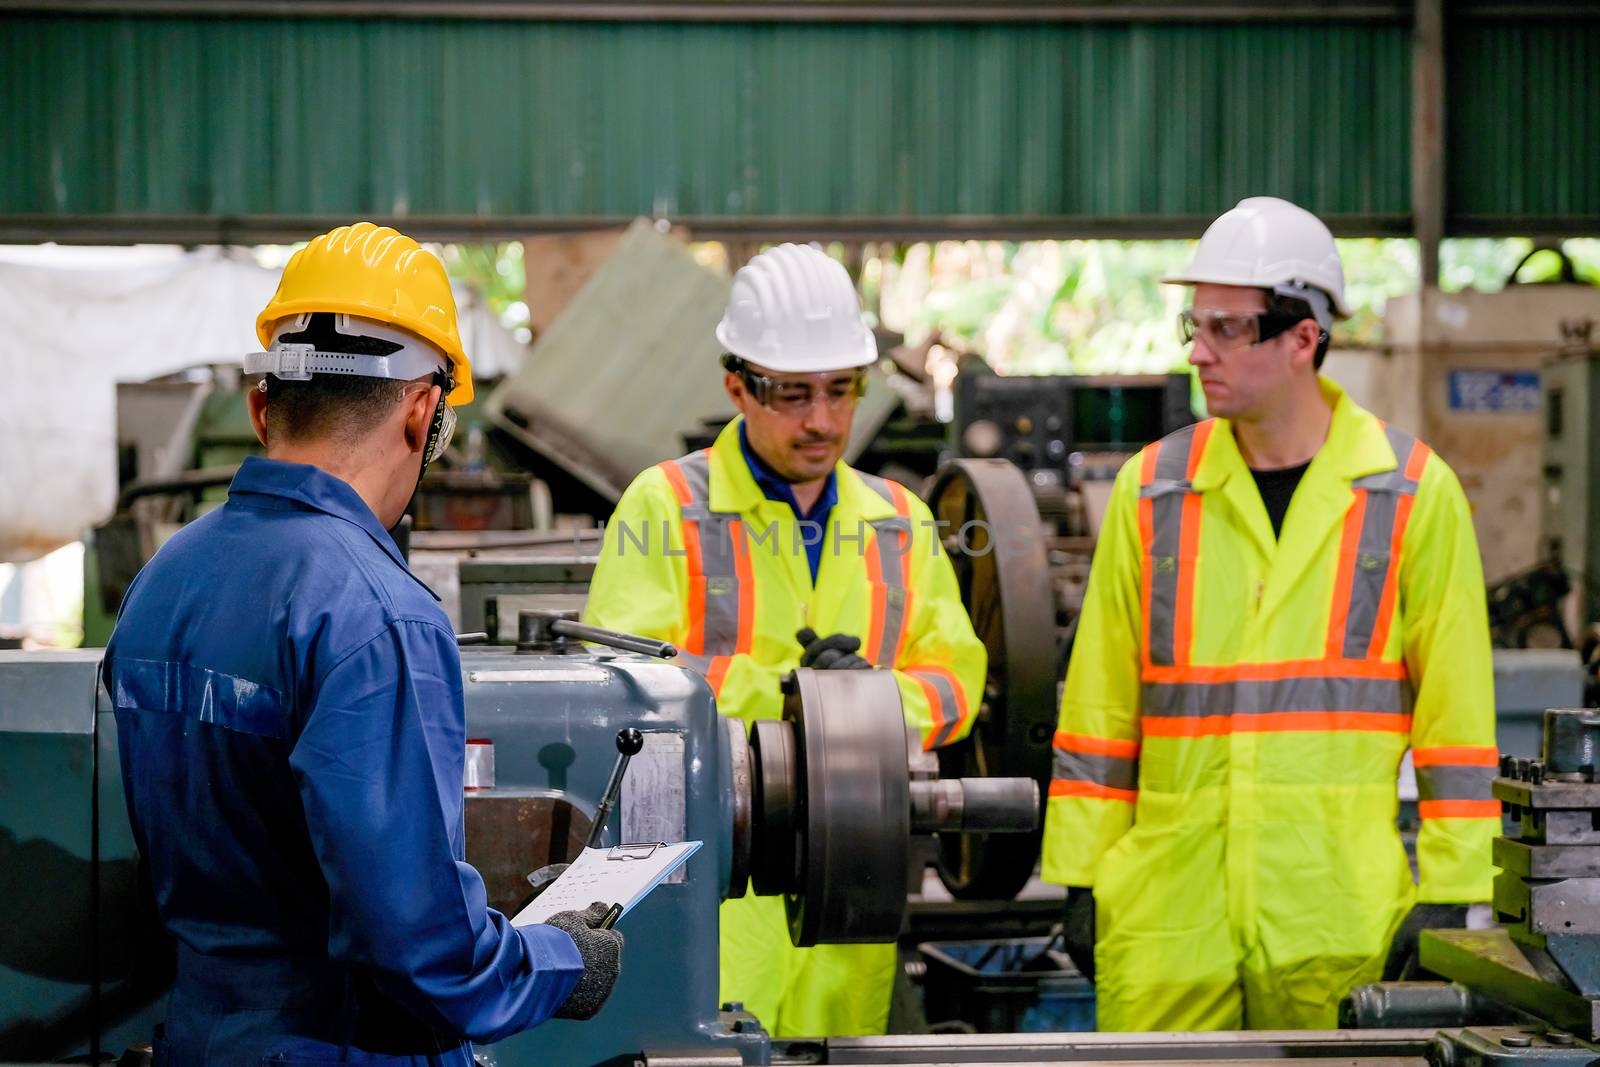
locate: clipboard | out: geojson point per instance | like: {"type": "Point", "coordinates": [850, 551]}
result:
{"type": "Point", "coordinates": [620, 876]}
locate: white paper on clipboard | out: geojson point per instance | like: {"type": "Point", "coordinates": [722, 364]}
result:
{"type": "Point", "coordinates": [622, 875]}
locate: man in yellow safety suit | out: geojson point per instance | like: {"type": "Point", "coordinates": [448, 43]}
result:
{"type": "Point", "coordinates": [1283, 600]}
{"type": "Point", "coordinates": [744, 553]}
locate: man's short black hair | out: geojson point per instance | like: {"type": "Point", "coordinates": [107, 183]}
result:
{"type": "Point", "coordinates": [1292, 306]}
{"type": "Point", "coordinates": [346, 408]}
{"type": "Point", "coordinates": [329, 406]}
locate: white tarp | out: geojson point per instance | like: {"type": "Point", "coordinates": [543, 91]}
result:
{"type": "Point", "coordinates": [75, 322]}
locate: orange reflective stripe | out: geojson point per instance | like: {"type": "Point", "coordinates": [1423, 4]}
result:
{"type": "Point", "coordinates": [1266, 672]}
{"type": "Point", "coordinates": [888, 575]}
{"type": "Point", "coordinates": [1456, 756]}
{"type": "Point", "coordinates": [675, 478]}
{"type": "Point", "coordinates": [902, 502]}
{"type": "Point", "coordinates": [1349, 550]}
{"type": "Point", "coordinates": [1391, 584]}
{"type": "Point", "coordinates": [747, 588]}
{"type": "Point", "coordinates": [1096, 746]}
{"type": "Point", "coordinates": [696, 641]}
{"type": "Point", "coordinates": [1147, 470]}
{"type": "Point", "coordinates": [1170, 515]}
{"type": "Point", "coordinates": [1459, 809]}
{"type": "Point", "coordinates": [935, 709]}
{"type": "Point", "coordinates": [1202, 434]}
{"type": "Point", "coordinates": [947, 702]}
{"type": "Point", "coordinates": [1417, 461]}
{"type": "Point", "coordinates": [1093, 791]}
{"type": "Point", "coordinates": [717, 673]}
{"type": "Point", "coordinates": [1277, 722]}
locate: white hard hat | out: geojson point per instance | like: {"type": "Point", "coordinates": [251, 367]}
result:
{"type": "Point", "coordinates": [1267, 243]}
{"type": "Point", "coordinates": [793, 309]}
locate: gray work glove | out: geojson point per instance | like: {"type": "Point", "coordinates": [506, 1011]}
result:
{"type": "Point", "coordinates": [602, 959]}
{"type": "Point", "coordinates": [1077, 929]}
{"type": "Point", "coordinates": [1403, 962]}
{"type": "Point", "coordinates": [541, 879]}
{"type": "Point", "coordinates": [833, 653]}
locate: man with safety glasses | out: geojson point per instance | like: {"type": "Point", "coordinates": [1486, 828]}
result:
{"type": "Point", "coordinates": [765, 553]}
{"type": "Point", "coordinates": [1284, 600]}
{"type": "Point", "coordinates": [290, 719]}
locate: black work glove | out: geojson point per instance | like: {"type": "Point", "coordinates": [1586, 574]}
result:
{"type": "Point", "coordinates": [836, 652]}
{"type": "Point", "coordinates": [1403, 962]}
{"type": "Point", "coordinates": [602, 959]}
{"type": "Point", "coordinates": [541, 879]}
{"type": "Point", "coordinates": [1077, 929]}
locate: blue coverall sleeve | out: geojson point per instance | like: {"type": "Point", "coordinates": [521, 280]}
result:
{"type": "Point", "coordinates": [379, 761]}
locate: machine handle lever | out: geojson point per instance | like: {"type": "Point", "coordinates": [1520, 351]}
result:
{"type": "Point", "coordinates": [645, 646]}
{"type": "Point", "coordinates": [544, 630]}
{"type": "Point", "coordinates": [629, 742]}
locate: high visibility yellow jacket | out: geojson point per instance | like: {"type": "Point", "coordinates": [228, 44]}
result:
{"type": "Point", "coordinates": [1235, 715]}
{"type": "Point", "coordinates": [697, 555]}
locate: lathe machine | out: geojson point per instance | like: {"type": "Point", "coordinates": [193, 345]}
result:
{"type": "Point", "coordinates": [819, 807]}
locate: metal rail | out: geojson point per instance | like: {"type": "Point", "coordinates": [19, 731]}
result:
{"type": "Point", "coordinates": [1394, 1047]}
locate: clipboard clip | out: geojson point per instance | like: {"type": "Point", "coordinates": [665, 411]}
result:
{"type": "Point", "coordinates": [640, 850]}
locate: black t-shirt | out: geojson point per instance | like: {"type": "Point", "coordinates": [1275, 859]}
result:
{"type": "Point", "coordinates": [1277, 489]}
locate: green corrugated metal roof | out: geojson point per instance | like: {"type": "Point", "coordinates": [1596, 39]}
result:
{"type": "Point", "coordinates": [338, 117]}
{"type": "Point", "coordinates": [1524, 110]}
{"type": "Point", "coordinates": [1069, 127]}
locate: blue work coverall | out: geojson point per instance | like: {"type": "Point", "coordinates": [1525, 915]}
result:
{"type": "Point", "coordinates": [289, 709]}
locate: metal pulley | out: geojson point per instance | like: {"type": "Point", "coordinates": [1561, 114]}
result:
{"type": "Point", "coordinates": [833, 806]}
{"type": "Point", "coordinates": [992, 535]}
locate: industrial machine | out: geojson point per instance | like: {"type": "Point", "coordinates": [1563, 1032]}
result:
{"type": "Point", "coordinates": [820, 807]}
{"type": "Point", "coordinates": [1529, 988]}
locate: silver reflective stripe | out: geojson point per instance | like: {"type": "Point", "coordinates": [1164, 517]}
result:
{"type": "Point", "coordinates": [1444, 782]}
{"type": "Point", "coordinates": [891, 564]}
{"type": "Point", "coordinates": [1114, 772]}
{"type": "Point", "coordinates": [1334, 693]}
{"type": "Point", "coordinates": [1370, 573]}
{"type": "Point", "coordinates": [702, 664]}
{"type": "Point", "coordinates": [717, 560]}
{"type": "Point", "coordinates": [1372, 564]}
{"type": "Point", "coordinates": [1166, 494]}
{"type": "Point", "coordinates": [947, 701]}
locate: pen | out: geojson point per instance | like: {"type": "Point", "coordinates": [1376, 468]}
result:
{"type": "Point", "coordinates": [611, 917]}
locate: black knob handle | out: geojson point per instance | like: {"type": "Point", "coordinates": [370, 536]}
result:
{"type": "Point", "coordinates": [629, 741]}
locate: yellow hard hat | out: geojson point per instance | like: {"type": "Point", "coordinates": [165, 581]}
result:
{"type": "Point", "coordinates": [376, 273]}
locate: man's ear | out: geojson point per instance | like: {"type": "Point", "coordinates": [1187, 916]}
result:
{"type": "Point", "coordinates": [255, 400]}
{"type": "Point", "coordinates": [418, 407]}
{"type": "Point", "coordinates": [735, 388]}
{"type": "Point", "coordinates": [1306, 334]}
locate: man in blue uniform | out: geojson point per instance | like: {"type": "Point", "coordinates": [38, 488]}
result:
{"type": "Point", "coordinates": [289, 709]}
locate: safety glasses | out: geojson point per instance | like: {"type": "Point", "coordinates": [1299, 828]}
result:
{"type": "Point", "coordinates": [1227, 331]}
{"type": "Point", "coordinates": [790, 397]}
